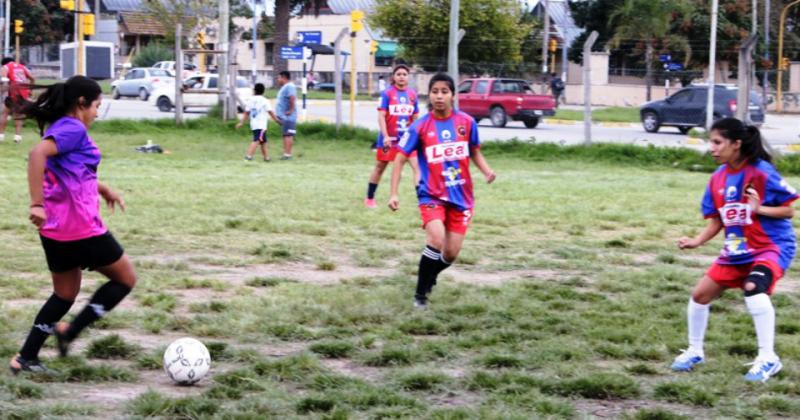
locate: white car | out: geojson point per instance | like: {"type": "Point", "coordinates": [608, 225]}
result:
{"type": "Point", "coordinates": [141, 82]}
{"type": "Point", "coordinates": [189, 69]}
{"type": "Point", "coordinates": [199, 91]}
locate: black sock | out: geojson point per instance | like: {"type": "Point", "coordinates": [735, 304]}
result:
{"type": "Point", "coordinates": [52, 311]}
{"type": "Point", "coordinates": [104, 300]}
{"type": "Point", "coordinates": [430, 265]}
{"type": "Point", "coordinates": [371, 188]}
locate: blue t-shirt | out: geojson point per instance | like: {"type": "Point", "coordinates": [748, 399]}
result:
{"type": "Point", "coordinates": [287, 91]}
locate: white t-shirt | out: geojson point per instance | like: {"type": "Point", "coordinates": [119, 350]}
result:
{"type": "Point", "coordinates": [259, 108]}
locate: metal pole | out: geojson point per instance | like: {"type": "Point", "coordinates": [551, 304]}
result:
{"type": "Point", "coordinates": [765, 83]}
{"type": "Point", "coordinates": [255, 38]}
{"type": "Point", "coordinates": [745, 60]}
{"type": "Point", "coordinates": [754, 21]}
{"type": "Point", "coordinates": [452, 45]}
{"type": "Point", "coordinates": [178, 70]}
{"type": "Point", "coordinates": [779, 94]}
{"type": "Point", "coordinates": [587, 87]}
{"type": "Point", "coordinates": [96, 17]}
{"type": "Point", "coordinates": [7, 46]}
{"type": "Point", "coordinates": [546, 40]}
{"type": "Point", "coordinates": [353, 79]}
{"type": "Point", "coordinates": [712, 64]}
{"type": "Point", "coordinates": [222, 59]}
{"type": "Point", "coordinates": [81, 65]}
{"type": "Point", "coordinates": [337, 74]}
{"type": "Point", "coordinates": [304, 87]}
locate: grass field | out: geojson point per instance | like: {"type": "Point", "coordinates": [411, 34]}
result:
{"type": "Point", "coordinates": [610, 114]}
{"type": "Point", "coordinates": [567, 302]}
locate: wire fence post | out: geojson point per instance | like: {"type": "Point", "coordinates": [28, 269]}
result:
{"type": "Point", "coordinates": [587, 87]}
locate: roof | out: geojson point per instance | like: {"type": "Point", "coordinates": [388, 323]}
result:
{"type": "Point", "coordinates": [139, 23]}
{"type": "Point", "coordinates": [562, 18]}
{"type": "Point", "coordinates": [341, 7]}
{"type": "Point", "coordinates": [123, 5]}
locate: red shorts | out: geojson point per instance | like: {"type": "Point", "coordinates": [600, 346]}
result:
{"type": "Point", "coordinates": [388, 154]}
{"type": "Point", "coordinates": [729, 275]}
{"type": "Point", "coordinates": [455, 220]}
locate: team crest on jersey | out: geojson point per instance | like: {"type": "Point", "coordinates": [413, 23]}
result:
{"type": "Point", "coordinates": [446, 152]}
{"type": "Point", "coordinates": [730, 194]}
{"type": "Point", "coordinates": [447, 135]}
{"type": "Point", "coordinates": [462, 131]}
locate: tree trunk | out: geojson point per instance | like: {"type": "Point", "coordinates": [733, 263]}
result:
{"type": "Point", "coordinates": [648, 77]}
{"type": "Point", "coordinates": [281, 37]}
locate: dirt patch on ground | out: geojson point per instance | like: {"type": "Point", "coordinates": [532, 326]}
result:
{"type": "Point", "coordinates": [616, 408]}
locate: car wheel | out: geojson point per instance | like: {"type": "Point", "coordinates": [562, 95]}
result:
{"type": "Point", "coordinates": [532, 123]}
{"type": "Point", "coordinates": [684, 130]}
{"type": "Point", "coordinates": [651, 122]}
{"type": "Point", "coordinates": [498, 117]}
{"type": "Point", "coordinates": [143, 95]}
{"type": "Point", "coordinates": [114, 93]}
{"type": "Point", "coordinates": [163, 104]}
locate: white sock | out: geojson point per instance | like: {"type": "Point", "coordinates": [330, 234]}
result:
{"type": "Point", "coordinates": [697, 317]}
{"type": "Point", "coordinates": [760, 307]}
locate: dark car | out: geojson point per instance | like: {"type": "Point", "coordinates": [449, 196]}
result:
{"type": "Point", "coordinates": [687, 108]}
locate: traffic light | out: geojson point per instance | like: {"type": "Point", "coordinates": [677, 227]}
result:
{"type": "Point", "coordinates": [87, 21]}
{"type": "Point", "coordinates": [373, 47]}
{"type": "Point", "coordinates": [356, 17]}
{"type": "Point", "coordinates": [67, 4]}
{"type": "Point", "coordinates": [784, 64]}
{"type": "Point", "coordinates": [201, 39]}
{"type": "Point", "coordinates": [18, 28]}
{"type": "Point", "coordinates": [553, 44]}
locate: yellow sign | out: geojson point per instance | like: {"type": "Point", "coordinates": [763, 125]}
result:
{"type": "Point", "coordinates": [356, 18]}
{"type": "Point", "coordinates": [18, 28]}
{"type": "Point", "coordinates": [373, 47]}
{"type": "Point", "coordinates": [784, 64]}
{"type": "Point", "coordinates": [67, 4]}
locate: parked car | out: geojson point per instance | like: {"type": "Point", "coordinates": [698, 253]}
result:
{"type": "Point", "coordinates": [687, 108]}
{"type": "Point", "coordinates": [200, 90]}
{"type": "Point", "coordinates": [189, 69]}
{"type": "Point", "coordinates": [504, 99]}
{"type": "Point", "coordinates": [140, 81]}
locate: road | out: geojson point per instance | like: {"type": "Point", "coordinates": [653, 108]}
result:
{"type": "Point", "coordinates": [779, 130]}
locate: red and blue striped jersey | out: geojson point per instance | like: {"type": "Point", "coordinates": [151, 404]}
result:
{"type": "Point", "coordinates": [749, 236]}
{"type": "Point", "coordinates": [443, 148]}
{"type": "Point", "coordinates": [400, 107]}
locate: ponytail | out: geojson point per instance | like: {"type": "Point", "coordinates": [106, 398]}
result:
{"type": "Point", "coordinates": [60, 99]}
{"type": "Point", "coordinates": [753, 146]}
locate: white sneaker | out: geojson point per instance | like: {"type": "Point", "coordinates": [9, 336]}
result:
{"type": "Point", "coordinates": [763, 369]}
{"type": "Point", "coordinates": [17, 138]}
{"type": "Point", "coordinates": [687, 360]}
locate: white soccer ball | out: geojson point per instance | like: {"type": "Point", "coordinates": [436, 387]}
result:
{"type": "Point", "coordinates": [186, 361]}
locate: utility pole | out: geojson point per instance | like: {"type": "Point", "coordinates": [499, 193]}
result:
{"type": "Point", "coordinates": [7, 40]}
{"type": "Point", "coordinates": [452, 45]}
{"type": "Point", "coordinates": [546, 40]}
{"type": "Point", "coordinates": [765, 82]}
{"type": "Point", "coordinates": [712, 64]}
{"type": "Point", "coordinates": [587, 87]}
{"type": "Point", "coordinates": [222, 63]}
{"type": "Point", "coordinates": [337, 74]}
{"type": "Point", "coordinates": [254, 56]}
{"type": "Point", "coordinates": [81, 53]}
{"type": "Point", "coordinates": [178, 70]}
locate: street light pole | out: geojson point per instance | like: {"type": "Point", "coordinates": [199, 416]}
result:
{"type": "Point", "coordinates": [452, 49]}
{"type": "Point", "coordinates": [712, 64]}
{"type": "Point", "coordinates": [546, 40]}
{"type": "Point", "coordinates": [779, 94]}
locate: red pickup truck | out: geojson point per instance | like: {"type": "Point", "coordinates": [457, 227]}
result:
{"type": "Point", "coordinates": [501, 99]}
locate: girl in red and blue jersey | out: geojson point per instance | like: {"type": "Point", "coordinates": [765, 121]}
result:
{"type": "Point", "coordinates": [748, 199]}
{"type": "Point", "coordinates": [398, 108]}
{"type": "Point", "coordinates": [445, 140]}
{"type": "Point", "coordinates": [65, 208]}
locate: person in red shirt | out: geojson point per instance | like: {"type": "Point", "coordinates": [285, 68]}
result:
{"type": "Point", "coordinates": [16, 79]}
{"type": "Point", "coordinates": [398, 108]}
{"type": "Point", "coordinates": [445, 141]}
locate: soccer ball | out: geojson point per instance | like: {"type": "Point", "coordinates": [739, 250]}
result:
{"type": "Point", "coordinates": [186, 361]}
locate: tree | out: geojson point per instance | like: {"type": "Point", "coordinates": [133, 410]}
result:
{"type": "Point", "coordinates": [283, 12]}
{"type": "Point", "coordinates": [495, 32]}
{"type": "Point", "coordinates": [649, 22]}
{"type": "Point", "coordinates": [169, 13]}
{"type": "Point", "coordinates": [44, 21]}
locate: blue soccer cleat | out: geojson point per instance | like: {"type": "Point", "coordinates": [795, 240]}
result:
{"type": "Point", "coordinates": [687, 360]}
{"type": "Point", "coordinates": [763, 369]}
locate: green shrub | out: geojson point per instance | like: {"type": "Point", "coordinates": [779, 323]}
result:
{"type": "Point", "coordinates": [153, 53]}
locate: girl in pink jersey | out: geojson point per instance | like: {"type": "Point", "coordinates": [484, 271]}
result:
{"type": "Point", "coordinates": [445, 140]}
{"type": "Point", "coordinates": [749, 200]}
{"type": "Point", "coordinates": [65, 200]}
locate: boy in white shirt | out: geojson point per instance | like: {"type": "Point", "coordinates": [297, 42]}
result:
{"type": "Point", "coordinates": [257, 109]}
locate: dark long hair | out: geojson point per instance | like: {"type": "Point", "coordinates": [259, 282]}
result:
{"type": "Point", "coordinates": [753, 146]}
{"type": "Point", "coordinates": [60, 99]}
{"type": "Point", "coordinates": [441, 77]}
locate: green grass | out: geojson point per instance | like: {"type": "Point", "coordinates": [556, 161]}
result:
{"type": "Point", "coordinates": [105, 85]}
{"type": "Point", "coordinates": [316, 94]}
{"type": "Point", "coordinates": [611, 114]}
{"type": "Point", "coordinates": [570, 295]}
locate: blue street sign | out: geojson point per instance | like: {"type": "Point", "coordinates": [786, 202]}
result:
{"type": "Point", "coordinates": [309, 37]}
{"type": "Point", "coordinates": [292, 53]}
{"type": "Point", "coordinates": [665, 57]}
{"type": "Point", "coordinates": [674, 66]}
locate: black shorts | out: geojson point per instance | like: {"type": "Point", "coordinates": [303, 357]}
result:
{"type": "Point", "coordinates": [92, 253]}
{"type": "Point", "coordinates": [260, 136]}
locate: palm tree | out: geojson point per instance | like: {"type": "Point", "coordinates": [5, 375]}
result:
{"type": "Point", "coordinates": [650, 21]}
{"type": "Point", "coordinates": [283, 11]}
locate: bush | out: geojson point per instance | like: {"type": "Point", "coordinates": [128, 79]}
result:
{"type": "Point", "coordinates": [153, 53]}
